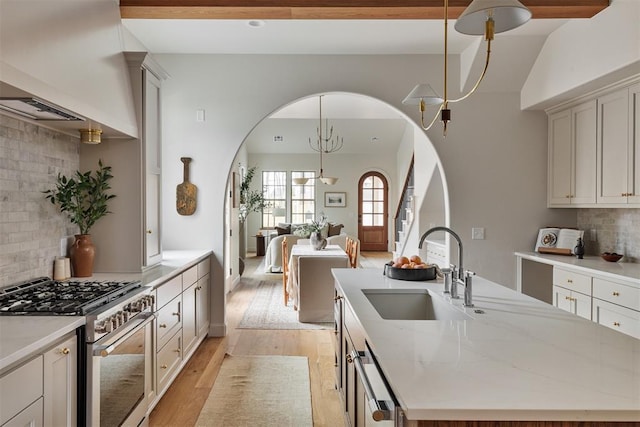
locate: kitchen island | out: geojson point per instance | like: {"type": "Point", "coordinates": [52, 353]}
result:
{"type": "Point", "coordinates": [514, 358]}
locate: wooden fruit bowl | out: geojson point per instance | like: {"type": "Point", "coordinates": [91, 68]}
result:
{"type": "Point", "coordinates": [611, 257]}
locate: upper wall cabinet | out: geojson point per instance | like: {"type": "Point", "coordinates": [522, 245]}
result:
{"type": "Point", "coordinates": [572, 156]}
{"type": "Point", "coordinates": [146, 77]}
{"type": "Point", "coordinates": [594, 158]}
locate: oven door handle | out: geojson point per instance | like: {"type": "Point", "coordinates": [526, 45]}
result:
{"type": "Point", "coordinates": [106, 349]}
{"type": "Point", "coordinates": [379, 408]}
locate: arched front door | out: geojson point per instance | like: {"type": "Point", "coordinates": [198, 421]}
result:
{"type": "Point", "coordinates": [372, 212]}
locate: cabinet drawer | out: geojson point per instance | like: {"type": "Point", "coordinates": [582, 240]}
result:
{"type": "Point", "coordinates": [203, 268]}
{"type": "Point", "coordinates": [168, 291]}
{"type": "Point", "coordinates": [616, 317]}
{"type": "Point", "coordinates": [168, 358]}
{"type": "Point", "coordinates": [617, 293]}
{"type": "Point", "coordinates": [20, 388]}
{"type": "Point", "coordinates": [571, 280]}
{"type": "Point", "coordinates": [189, 277]}
{"type": "Point", "coordinates": [31, 416]}
{"type": "Point", "coordinates": [168, 321]}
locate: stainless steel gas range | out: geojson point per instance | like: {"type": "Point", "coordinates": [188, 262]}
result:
{"type": "Point", "coordinates": [114, 372]}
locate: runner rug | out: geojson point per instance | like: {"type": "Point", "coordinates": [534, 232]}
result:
{"type": "Point", "coordinates": [267, 311]}
{"type": "Point", "coordinates": [259, 391]}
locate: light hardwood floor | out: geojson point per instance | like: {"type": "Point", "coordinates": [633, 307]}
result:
{"type": "Point", "coordinates": [182, 403]}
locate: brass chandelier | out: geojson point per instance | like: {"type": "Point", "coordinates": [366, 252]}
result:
{"type": "Point", "coordinates": [481, 17]}
{"type": "Point", "coordinates": [323, 144]}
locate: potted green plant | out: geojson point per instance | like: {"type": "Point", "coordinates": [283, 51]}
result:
{"type": "Point", "coordinates": [84, 198]}
{"type": "Point", "coordinates": [250, 201]}
{"type": "Point", "coordinates": [317, 240]}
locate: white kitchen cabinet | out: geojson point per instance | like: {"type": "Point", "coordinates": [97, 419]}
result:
{"type": "Point", "coordinates": [19, 388]}
{"type": "Point", "coordinates": [572, 156]}
{"type": "Point", "coordinates": [203, 290]}
{"type": "Point", "coordinates": [60, 383]}
{"type": "Point", "coordinates": [634, 145]}
{"type": "Point", "coordinates": [151, 136]}
{"type": "Point", "coordinates": [571, 301]}
{"type": "Point", "coordinates": [31, 416]}
{"type": "Point", "coordinates": [43, 390]}
{"type": "Point", "coordinates": [613, 147]}
{"type": "Point", "coordinates": [616, 317]}
{"type": "Point", "coordinates": [182, 322]}
{"type": "Point", "coordinates": [594, 151]}
{"type": "Point", "coordinates": [572, 292]}
{"type": "Point", "coordinates": [129, 239]}
{"type": "Point", "coordinates": [617, 306]}
{"type": "Point", "coordinates": [195, 299]}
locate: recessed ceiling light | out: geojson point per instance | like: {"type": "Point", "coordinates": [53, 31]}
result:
{"type": "Point", "coordinates": [256, 23]}
{"type": "Point", "coordinates": [278, 138]}
{"type": "Point", "coordinates": [375, 139]}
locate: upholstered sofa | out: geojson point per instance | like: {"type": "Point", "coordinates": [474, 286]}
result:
{"type": "Point", "coordinates": [273, 253]}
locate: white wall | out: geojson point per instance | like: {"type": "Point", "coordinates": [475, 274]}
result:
{"type": "Point", "coordinates": [584, 55]}
{"type": "Point", "coordinates": [494, 157]}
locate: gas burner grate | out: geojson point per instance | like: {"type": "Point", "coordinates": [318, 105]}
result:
{"type": "Point", "coordinates": [46, 296]}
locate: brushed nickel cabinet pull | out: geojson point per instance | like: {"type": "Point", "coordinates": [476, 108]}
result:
{"type": "Point", "coordinates": [149, 232]}
{"type": "Point", "coordinates": [65, 351]}
{"type": "Point", "coordinates": [162, 325]}
{"type": "Point", "coordinates": [616, 294]}
{"type": "Point", "coordinates": [163, 367]}
{"type": "Point", "coordinates": [569, 281]}
{"type": "Point", "coordinates": [616, 323]}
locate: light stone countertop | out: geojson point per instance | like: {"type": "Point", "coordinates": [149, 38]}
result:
{"type": "Point", "coordinates": [24, 336]}
{"type": "Point", "coordinates": [629, 272]}
{"type": "Point", "coordinates": [522, 359]}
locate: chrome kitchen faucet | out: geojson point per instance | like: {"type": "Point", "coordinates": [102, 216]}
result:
{"type": "Point", "coordinates": [462, 277]}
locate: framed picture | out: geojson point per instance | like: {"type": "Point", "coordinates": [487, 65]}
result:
{"type": "Point", "coordinates": [335, 199]}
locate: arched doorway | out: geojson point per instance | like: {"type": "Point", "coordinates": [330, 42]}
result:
{"type": "Point", "coordinates": [373, 220]}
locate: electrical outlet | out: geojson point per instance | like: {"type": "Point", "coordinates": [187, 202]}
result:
{"type": "Point", "coordinates": [477, 233]}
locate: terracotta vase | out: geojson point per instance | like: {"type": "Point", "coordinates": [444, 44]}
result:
{"type": "Point", "coordinates": [82, 254]}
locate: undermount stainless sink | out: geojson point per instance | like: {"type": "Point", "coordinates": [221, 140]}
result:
{"type": "Point", "coordinates": [412, 304]}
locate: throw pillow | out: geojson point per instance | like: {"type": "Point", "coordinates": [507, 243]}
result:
{"type": "Point", "coordinates": [302, 231]}
{"type": "Point", "coordinates": [335, 229]}
{"type": "Point", "coordinates": [283, 230]}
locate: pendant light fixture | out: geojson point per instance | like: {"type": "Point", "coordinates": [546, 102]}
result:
{"type": "Point", "coordinates": [481, 17]}
{"type": "Point", "coordinates": [323, 144]}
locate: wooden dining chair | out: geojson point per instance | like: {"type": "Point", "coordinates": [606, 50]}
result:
{"type": "Point", "coordinates": [285, 270]}
{"type": "Point", "coordinates": [353, 253]}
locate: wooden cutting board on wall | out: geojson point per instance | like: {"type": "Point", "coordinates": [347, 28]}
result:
{"type": "Point", "coordinates": [186, 192]}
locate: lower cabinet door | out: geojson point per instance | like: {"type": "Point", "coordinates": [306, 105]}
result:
{"type": "Point", "coordinates": [31, 416]}
{"type": "Point", "coordinates": [616, 317]}
{"type": "Point", "coordinates": [573, 302]}
{"type": "Point", "coordinates": [168, 358]}
{"type": "Point", "coordinates": [60, 384]}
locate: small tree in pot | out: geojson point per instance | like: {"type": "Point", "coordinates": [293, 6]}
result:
{"type": "Point", "coordinates": [84, 198]}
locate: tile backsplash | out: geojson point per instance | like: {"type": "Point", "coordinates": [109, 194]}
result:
{"type": "Point", "coordinates": [617, 230]}
{"type": "Point", "coordinates": [31, 228]}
